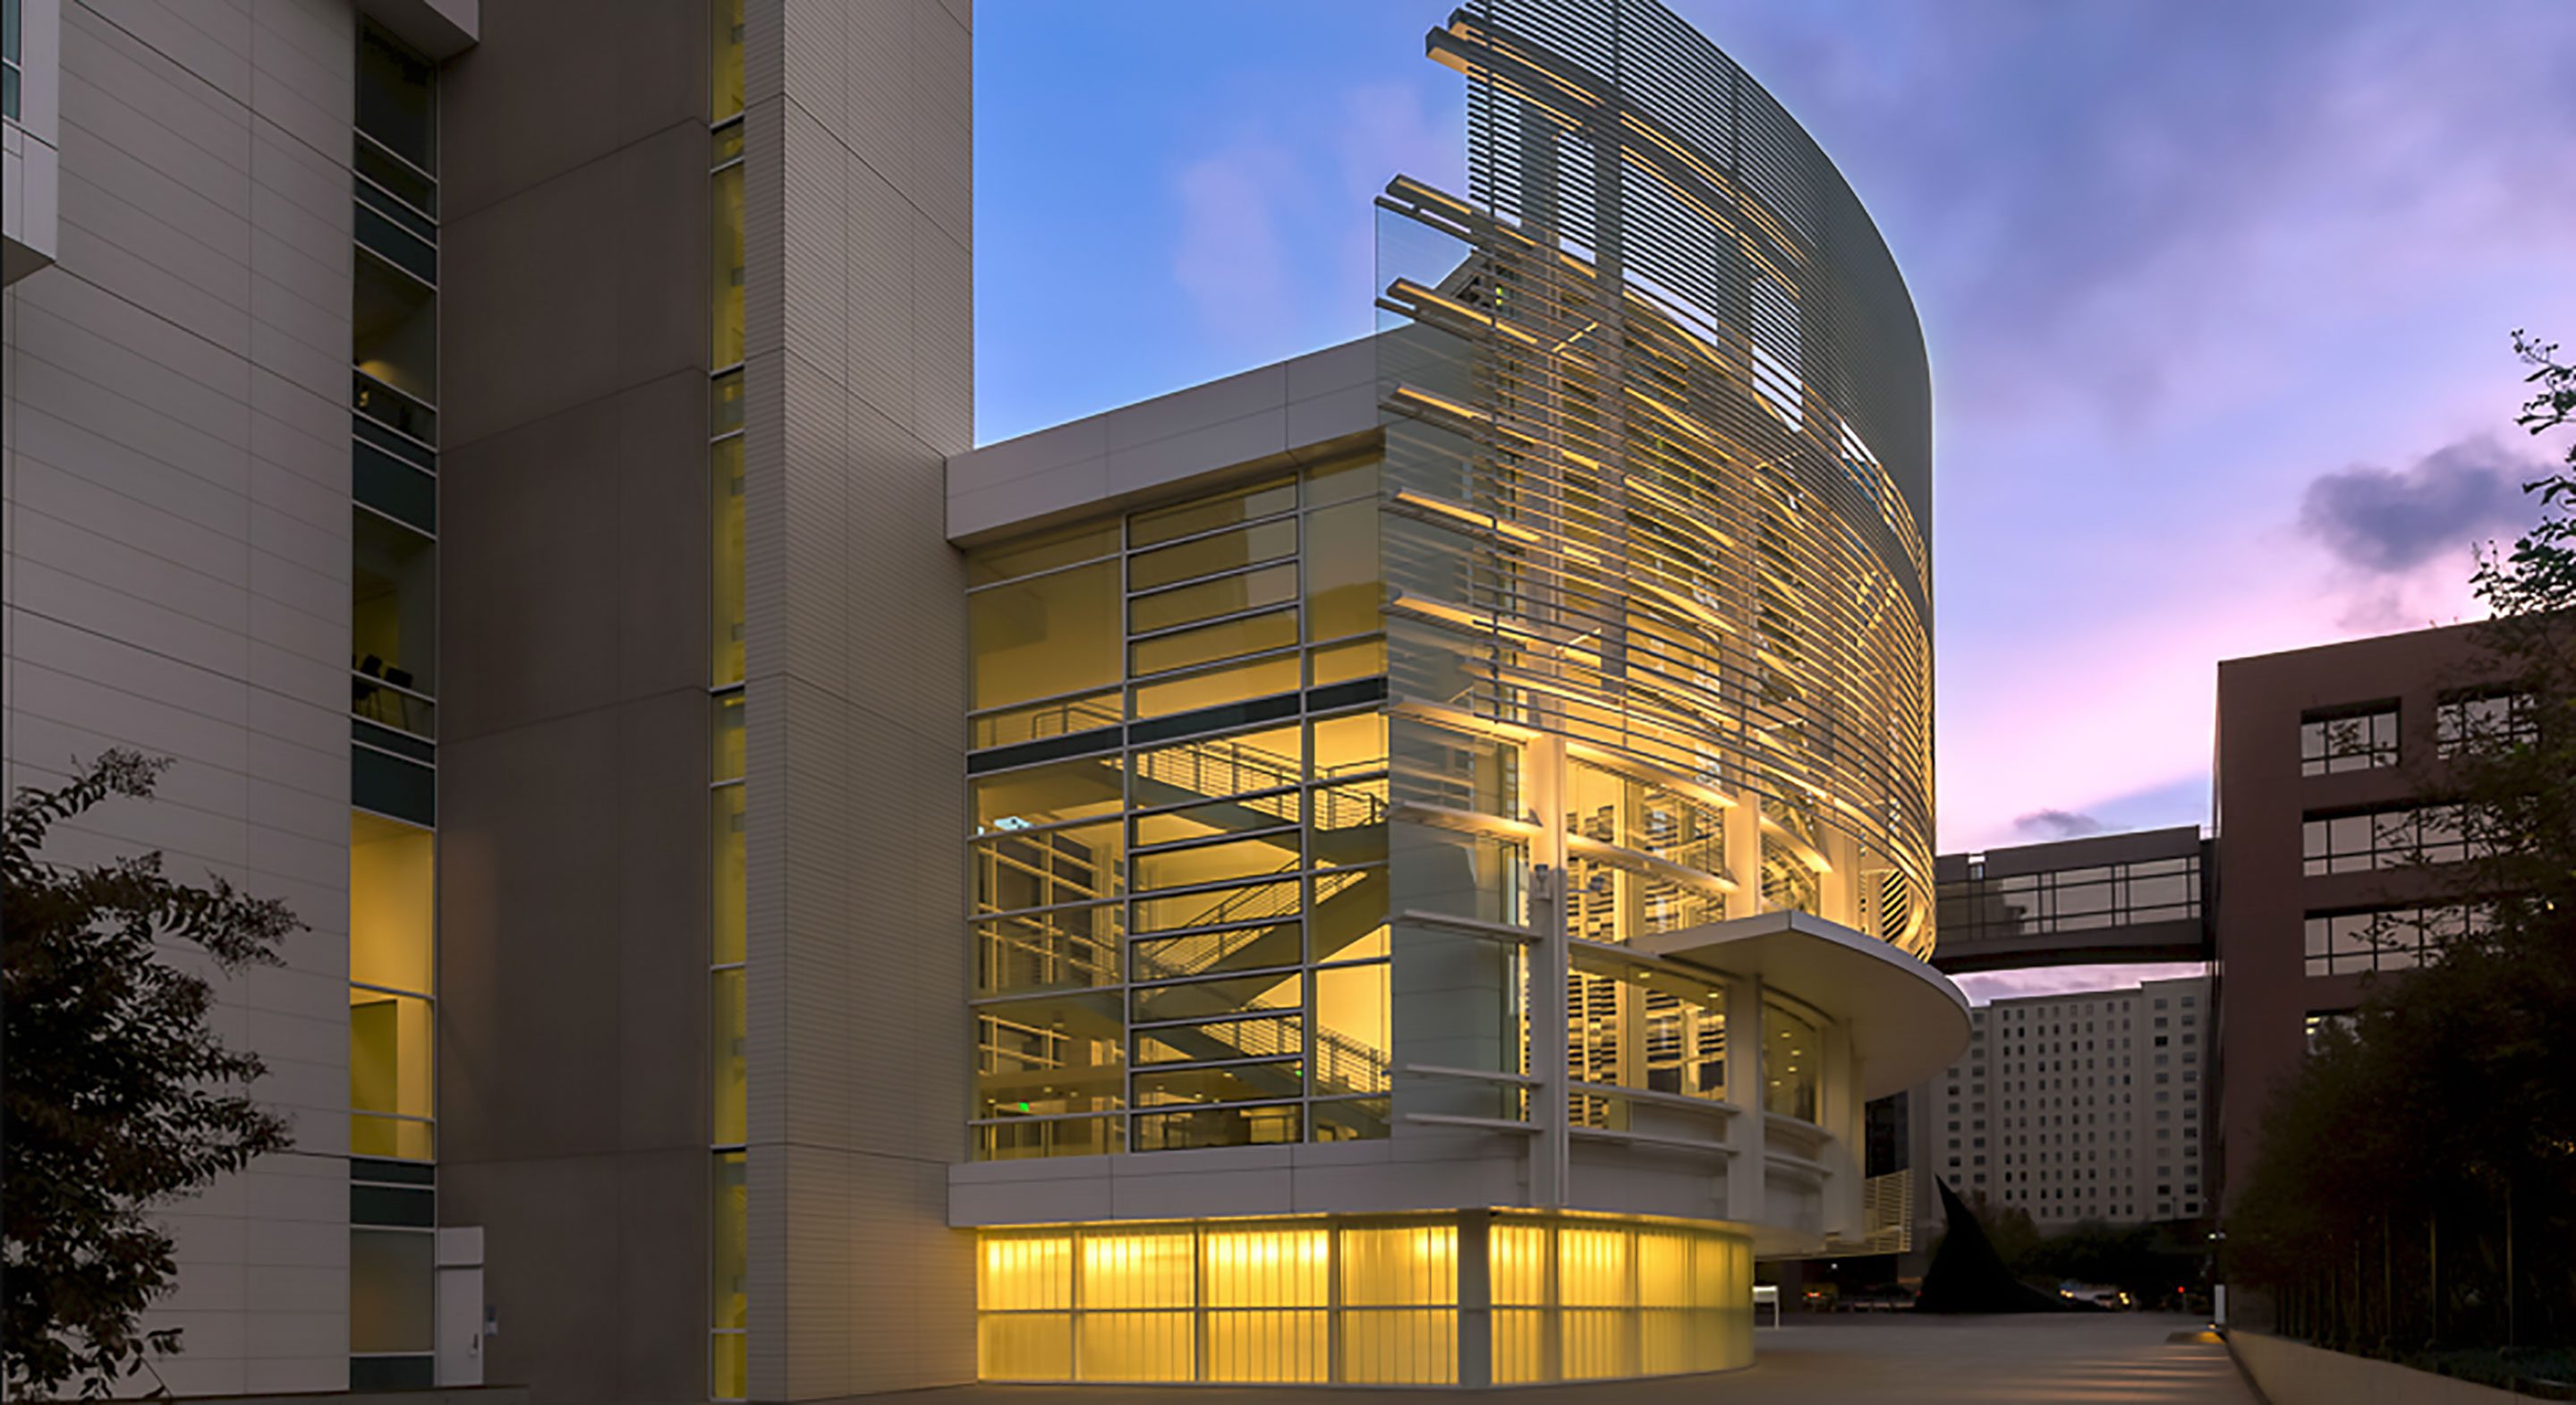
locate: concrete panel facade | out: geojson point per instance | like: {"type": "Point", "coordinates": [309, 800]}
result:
{"type": "Point", "coordinates": [858, 386]}
{"type": "Point", "coordinates": [2263, 895]}
{"type": "Point", "coordinates": [573, 757]}
{"type": "Point", "coordinates": [177, 575]}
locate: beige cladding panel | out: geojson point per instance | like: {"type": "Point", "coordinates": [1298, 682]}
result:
{"type": "Point", "coordinates": [858, 331]}
{"type": "Point", "coordinates": [177, 564]}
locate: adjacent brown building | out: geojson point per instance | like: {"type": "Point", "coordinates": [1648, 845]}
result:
{"type": "Point", "coordinates": [2331, 841]}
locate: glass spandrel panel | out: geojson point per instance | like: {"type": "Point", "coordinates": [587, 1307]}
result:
{"type": "Point", "coordinates": [1040, 795]}
{"type": "Point", "coordinates": [1206, 556]}
{"type": "Point", "coordinates": [1055, 950]}
{"type": "Point", "coordinates": [1212, 643]}
{"type": "Point", "coordinates": [1146, 529]}
{"type": "Point", "coordinates": [1045, 635]}
{"type": "Point", "coordinates": [1349, 1120]}
{"type": "Point", "coordinates": [1226, 595]}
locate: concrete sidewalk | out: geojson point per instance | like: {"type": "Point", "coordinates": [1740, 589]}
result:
{"type": "Point", "coordinates": [2111, 1359]}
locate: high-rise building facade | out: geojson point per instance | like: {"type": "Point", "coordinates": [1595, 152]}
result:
{"type": "Point", "coordinates": [436, 427]}
{"type": "Point", "coordinates": [1256, 885]}
{"type": "Point", "coordinates": [2335, 846]}
{"type": "Point", "coordinates": [1449, 816]}
{"type": "Point", "coordinates": [2089, 1106]}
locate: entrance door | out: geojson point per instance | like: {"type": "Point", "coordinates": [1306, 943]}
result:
{"type": "Point", "coordinates": [460, 1306]}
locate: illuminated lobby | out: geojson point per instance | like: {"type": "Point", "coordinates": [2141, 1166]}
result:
{"type": "Point", "coordinates": [1449, 816]}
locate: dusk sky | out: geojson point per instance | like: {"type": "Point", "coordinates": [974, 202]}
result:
{"type": "Point", "coordinates": [2218, 298]}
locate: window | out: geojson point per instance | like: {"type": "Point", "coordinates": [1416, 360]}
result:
{"type": "Point", "coordinates": [2359, 738]}
{"type": "Point", "coordinates": [1180, 929]}
{"type": "Point", "coordinates": [2361, 841]}
{"type": "Point", "coordinates": [2486, 720]}
{"type": "Point", "coordinates": [2385, 939]}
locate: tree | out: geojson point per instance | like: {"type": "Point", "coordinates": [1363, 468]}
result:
{"type": "Point", "coordinates": [118, 1096]}
{"type": "Point", "coordinates": [2417, 1176]}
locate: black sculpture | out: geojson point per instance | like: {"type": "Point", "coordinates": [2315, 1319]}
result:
{"type": "Point", "coordinates": [1967, 1275]}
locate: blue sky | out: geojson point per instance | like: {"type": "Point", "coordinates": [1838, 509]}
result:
{"type": "Point", "coordinates": [2218, 298]}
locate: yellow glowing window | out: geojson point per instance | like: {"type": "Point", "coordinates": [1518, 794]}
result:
{"type": "Point", "coordinates": [1207, 821]}
{"type": "Point", "coordinates": [1218, 863]}
{"type": "Point", "coordinates": [1017, 869]}
{"type": "Point", "coordinates": [1400, 1347]}
{"type": "Point", "coordinates": [1335, 663]}
{"type": "Point", "coordinates": [1400, 1266]}
{"type": "Point", "coordinates": [1254, 1038]}
{"type": "Point", "coordinates": [1045, 635]}
{"type": "Point", "coordinates": [1044, 552]}
{"type": "Point", "coordinates": [725, 501]}
{"type": "Point", "coordinates": [1255, 902]}
{"type": "Point", "coordinates": [727, 1026]}
{"type": "Point", "coordinates": [729, 896]}
{"type": "Point", "coordinates": [1017, 1275]}
{"type": "Point", "coordinates": [724, 58]}
{"type": "Point", "coordinates": [1056, 718]}
{"type": "Point", "coordinates": [1227, 765]}
{"type": "Point", "coordinates": [1144, 1269]}
{"type": "Point", "coordinates": [1040, 795]}
{"type": "Point", "coordinates": [1214, 687]}
{"type": "Point", "coordinates": [1341, 564]}
{"type": "Point", "coordinates": [1066, 947]}
{"type": "Point", "coordinates": [1350, 745]}
{"type": "Point", "coordinates": [1210, 643]}
{"type": "Point", "coordinates": [1272, 1348]}
{"type": "Point", "coordinates": [1207, 514]}
{"type": "Point", "coordinates": [392, 903]}
{"type": "Point", "coordinates": [1199, 1000]}
{"type": "Point", "coordinates": [1206, 556]}
{"type": "Point", "coordinates": [1226, 595]}
{"type": "Point", "coordinates": [726, 270]}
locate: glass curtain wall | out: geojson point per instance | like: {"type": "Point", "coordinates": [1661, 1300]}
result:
{"type": "Point", "coordinates": [393, 686]}
{"type": "Point", "coordinates": [1362, 1301]}
{"type": "Point", "coordinates": [728, 945]}
{"type": "Point", "coordinates": [1178, 856]}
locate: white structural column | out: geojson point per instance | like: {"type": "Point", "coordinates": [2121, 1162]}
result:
{"type": "Point", "coordinates": [1746, 1195]}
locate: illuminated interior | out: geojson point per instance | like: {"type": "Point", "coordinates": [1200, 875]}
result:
{"type": "Point", "coordinates": [1533, 771]}
{"type": "Point", "coordinates": [1363, 1301]}
{"type": "Point", "coordinates": [392, 907]}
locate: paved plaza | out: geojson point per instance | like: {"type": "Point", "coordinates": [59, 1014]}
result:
{"type": "Point", "coordinates": [2113, 1359]}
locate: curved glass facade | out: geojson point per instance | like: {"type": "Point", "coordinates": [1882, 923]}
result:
{"type": "Point", "coordinates": [1658, 470]}
{"type": "Point", "coordinates": [1403, 809]}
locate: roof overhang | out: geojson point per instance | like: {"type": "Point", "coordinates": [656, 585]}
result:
{"type": "Point", "coordinates": [1907, 1020]}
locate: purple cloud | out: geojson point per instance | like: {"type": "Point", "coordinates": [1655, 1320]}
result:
{"type": "Point", "coordinates": [2388, 521]}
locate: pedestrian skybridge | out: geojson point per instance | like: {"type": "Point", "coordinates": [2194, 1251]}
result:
{"type": "Point", "coordinates": [2100, 899]}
